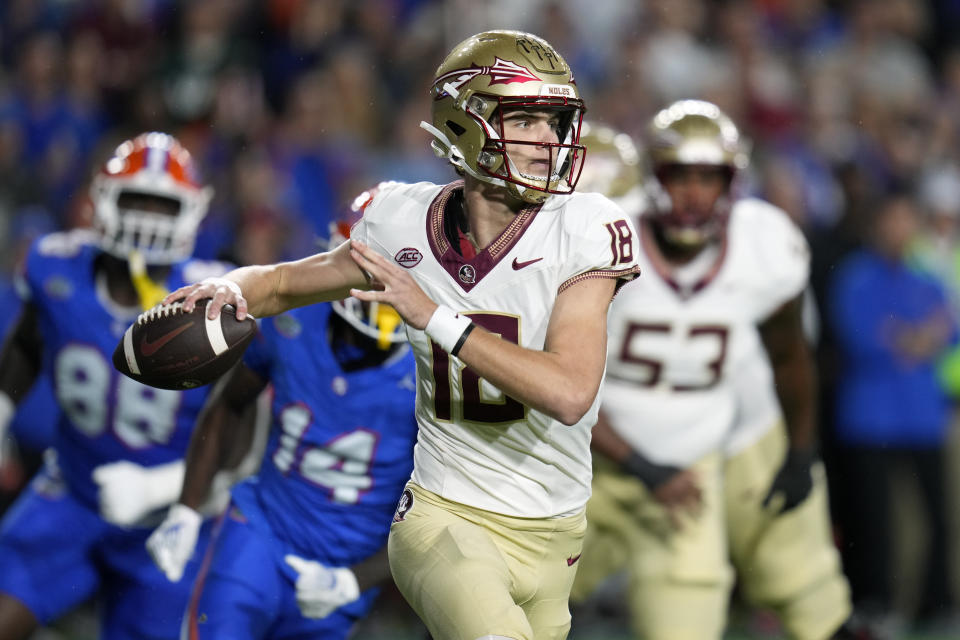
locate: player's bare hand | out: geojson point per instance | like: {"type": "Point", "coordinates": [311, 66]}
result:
{"type": "Point", "coordinates": [681, 496]}
{"type": "Point", "coordinates": [220, 291]}
{"type": "Point", "coordinates": [392, 285]}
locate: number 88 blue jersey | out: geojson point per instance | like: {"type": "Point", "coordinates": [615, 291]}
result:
{"type": "Point", "coordinates": [105, 416]}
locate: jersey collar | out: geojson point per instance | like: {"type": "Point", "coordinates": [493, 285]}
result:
{"type": "Point", "coordinates": [467, 273]}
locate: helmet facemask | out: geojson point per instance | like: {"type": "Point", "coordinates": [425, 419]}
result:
{"type": "Point", "coordinates": [565, 156]}
{"type": "Point", "coordinates": [695, 137]}
{"type": "Point", "coordinates": [689, 228]}
{"type": "Point", "coordinates": [379, 322]}
{"type": "Point", "coordinates": [146, 201]}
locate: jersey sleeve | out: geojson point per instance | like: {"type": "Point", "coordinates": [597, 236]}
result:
{"type": "Point", "coordinates": [603, 244]}
{"type": "Point", "coordinates": [36, 264]}
{"type": "Point", "coordinates": [367, 205]}
{"type": "Point", "coordinates": [783, 256]}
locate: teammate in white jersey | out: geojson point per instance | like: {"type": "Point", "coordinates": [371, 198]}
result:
{"type": "Point", "coordinates": [694, 466]}
{"type": "Point", "coordinates": [503, 280]}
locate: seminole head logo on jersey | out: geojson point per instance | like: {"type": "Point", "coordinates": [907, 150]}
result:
{"type": "Point", "coordinates": [467, 274]}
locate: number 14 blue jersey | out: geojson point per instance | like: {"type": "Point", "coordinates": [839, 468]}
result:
{"type": "Point", "coordinates": [341, 443]}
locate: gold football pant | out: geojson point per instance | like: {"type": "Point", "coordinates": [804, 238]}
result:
{"type": "Point", "coordinates": [679, 579]}
{"type": "Point", "coordinates": [788, 563]}
{"type": "Point", "coordinates": [470, 573]}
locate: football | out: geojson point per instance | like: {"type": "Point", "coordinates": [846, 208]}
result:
{"type": "Point", "coordinates": [168, 348]}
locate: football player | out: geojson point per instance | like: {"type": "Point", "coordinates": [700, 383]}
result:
{"type": "Point", "coordinates": [79, 529]}
{"type": "Point", "coordinates": [503, 279]}
{"type": "Point", "coordinates": [305, 539]}
{"type": "Point", "coordinates": [705, 442]}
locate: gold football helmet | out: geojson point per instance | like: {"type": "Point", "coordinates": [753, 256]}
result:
{"type": "Point", "coordinates": [692, 133]}
{"type": "Point", "coordinates": [498, 71]}
{"type": "Point", "coordinates": [613, 168]}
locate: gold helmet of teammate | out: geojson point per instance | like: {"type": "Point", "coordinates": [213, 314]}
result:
{"type": "Point", "coordinates": [698, 134]}
{"type": "Point", "coordinates": [613, 167]}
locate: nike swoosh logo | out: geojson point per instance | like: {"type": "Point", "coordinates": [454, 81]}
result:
{"type": "Point", "coordinates": [148, 348]}
{"type": "Point", "coordinates": [573, 560]}
{"type": "Point", "coordinates": [517, 265]}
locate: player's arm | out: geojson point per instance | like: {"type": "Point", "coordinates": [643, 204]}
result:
{"type": "Point", "coordinates": [267, 290]}
{"type": "Point", "coordinates": [675, 488]}
{"type": "Point", "coordinates": [795, 380]}
{"type": "Point", "coordinates": [19, 367]}
{"type": "Point", "coordinates": [21, 355]}
{"type": "Point", "coordinates": [219, 442]}
{"type": "Point", "coordinates": [223, 434]}
{"type": "Point", "coordinates": [562, 380]}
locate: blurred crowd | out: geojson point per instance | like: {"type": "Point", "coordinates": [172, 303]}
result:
{"type": "Point", "coordinates": [293, 107]}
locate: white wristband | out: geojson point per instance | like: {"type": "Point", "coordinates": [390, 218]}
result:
{"type": "Point", "coordinates": [229, 284]}
{"type": "Point", "coordinates": [166, 480]}
{"type": "Point", "coordinates": [7, 410]}
{"type": "Point", "coordinates": [446, 326]}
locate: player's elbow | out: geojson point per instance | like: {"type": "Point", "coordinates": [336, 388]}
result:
{"type": "Point", "coordinates": [569, 406]}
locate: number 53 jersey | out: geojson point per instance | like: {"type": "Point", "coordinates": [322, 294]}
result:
{"type": "Point", "coordinates": [477, 445]}
{"type": "Point", "coordinates": [674, 349]}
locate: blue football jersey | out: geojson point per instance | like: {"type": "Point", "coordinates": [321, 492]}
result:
{"type": "Point", "coordinates": [105, 416]}
{"type": "Point", "coordinates": [341, 443]}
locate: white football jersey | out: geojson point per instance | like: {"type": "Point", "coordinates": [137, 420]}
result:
{"type": "Point", "coordinates": [679, 354]}
{"type": "Point", "coordinates": [476, 445]}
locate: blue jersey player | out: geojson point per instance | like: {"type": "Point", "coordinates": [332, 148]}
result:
{"type": "Point", "coordinates": [302, 546]}
{"type": "Point", "coordinates": [79, 529]}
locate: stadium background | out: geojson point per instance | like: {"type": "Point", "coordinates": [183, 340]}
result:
{"type": "Point", "coordinates": [293, 107]}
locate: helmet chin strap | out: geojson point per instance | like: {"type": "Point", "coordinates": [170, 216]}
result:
{"type": "Point", "coordinates": [149, 291]}
{"type": "Point", "coordinates": [449, 151]}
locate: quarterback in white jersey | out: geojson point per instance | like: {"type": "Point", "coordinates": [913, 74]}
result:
{"type": "Point", "coordinates": [503, 281]}
{"type": "Point", "coordinates": [693, 466]}
{"type": "Point", "coordinates": [478, 446]}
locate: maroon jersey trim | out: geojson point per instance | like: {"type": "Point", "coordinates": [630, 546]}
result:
{"type": "Point", "coordinates": [622, 275]}
{"type": "Point", "coordinates": [467, 273]}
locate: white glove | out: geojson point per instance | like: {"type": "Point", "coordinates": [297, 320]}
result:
{"type": "Point", "coordinates": [320, 589]}
{"type": "Point", "coordinates": [171, 545]}
{"type": "Point", "coordinates": [129, 491]}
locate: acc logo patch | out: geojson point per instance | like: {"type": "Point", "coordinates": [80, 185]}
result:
{"type": "Point", "coordinates": [408, 257]}
{"type": "Point", "coordinates": [403, 506]}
